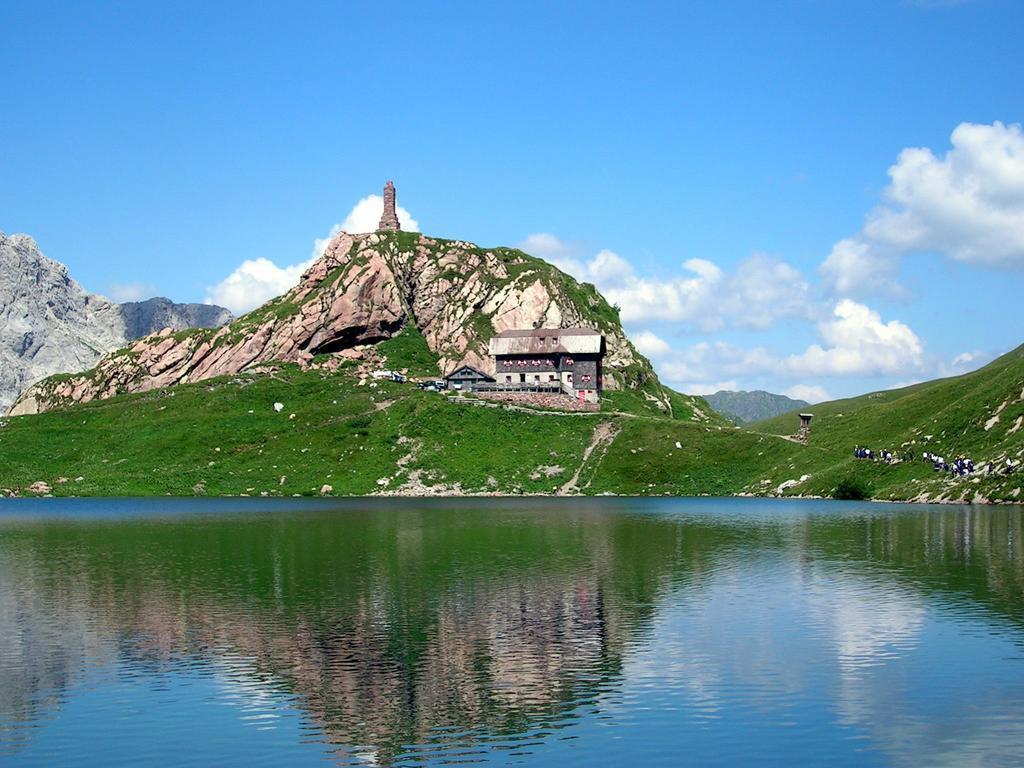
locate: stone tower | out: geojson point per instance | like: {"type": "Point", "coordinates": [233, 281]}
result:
{"type": "Point", "coordinates": [389, 219]}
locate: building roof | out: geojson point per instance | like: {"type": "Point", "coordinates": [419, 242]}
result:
{"type": "Point", "coordinates": [573, 341]}
{"type": "Point", "coordinates": [471, 369]}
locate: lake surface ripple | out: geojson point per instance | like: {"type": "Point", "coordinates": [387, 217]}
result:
{"type": "Point", "coordinates": [510, 632]}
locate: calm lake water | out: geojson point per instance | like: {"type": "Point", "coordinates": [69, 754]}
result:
{"type": "Point", "coordinates": [535, 632]}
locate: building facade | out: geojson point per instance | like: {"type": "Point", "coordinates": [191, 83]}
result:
{"type": "Point", "coordinates": [554, 359]}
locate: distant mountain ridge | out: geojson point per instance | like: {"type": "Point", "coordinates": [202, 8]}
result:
{"type": "Point", "coordinates": [142, 318]}
{"type": "Point", "coordinates": [748, 407]}
{"type": "Point", "coordinates": [49, 324]}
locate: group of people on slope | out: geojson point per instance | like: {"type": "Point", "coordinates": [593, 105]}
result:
{"type": "Point", "coordinates": [960, 467]}
{"type": "Point", "coordinates": [883, 455]}
{"type": "Point", "coordinates": [963, 465]}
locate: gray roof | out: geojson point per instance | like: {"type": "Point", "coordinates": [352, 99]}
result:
{"type": "Point", "coordinates": [573, 341]}
{"type": "Point", "coordinates": [472, 370]}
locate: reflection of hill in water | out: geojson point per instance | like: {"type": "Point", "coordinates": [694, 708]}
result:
{"type": "Point", "coordinates": [391, 626]}
{"type": "Point", "coordinates": [387, 625]}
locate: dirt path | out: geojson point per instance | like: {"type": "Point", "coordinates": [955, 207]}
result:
{"type": "Point", "coordinates": [604, 434]}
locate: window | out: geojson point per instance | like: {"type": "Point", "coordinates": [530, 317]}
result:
{"type": "Point", "coordinates": [522, 378]}
{"type": "Point", "coordinates": [508, 379]}
{"type": "Point", "coordinates": [554, 341]}
{"type": "Point", "coordinates": [536, 377]}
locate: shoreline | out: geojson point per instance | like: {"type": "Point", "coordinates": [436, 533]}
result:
{"type": "Point", "coordinates": [984, 502]}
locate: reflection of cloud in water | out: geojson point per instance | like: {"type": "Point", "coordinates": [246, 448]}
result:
{"type": "Point", "coordinates": [866, 621]}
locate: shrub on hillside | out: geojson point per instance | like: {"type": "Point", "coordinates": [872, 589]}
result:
{"type": "Point", "coordinates": [852, 488]}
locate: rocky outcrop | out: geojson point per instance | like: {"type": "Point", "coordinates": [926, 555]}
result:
{"type": "Point", "coordinates": [49, 324]}
{"type": "Point", "coordinates": [364, 289]}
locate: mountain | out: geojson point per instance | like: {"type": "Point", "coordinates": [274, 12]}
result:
{"type": "Point", "coordinates": [142, 318]}
{"type": "Point", "coordinates": [363, 290]}
{"type": "Point", "coordinates": [49, 324]}
{"type": "Point", "coordinates": [747, 407]}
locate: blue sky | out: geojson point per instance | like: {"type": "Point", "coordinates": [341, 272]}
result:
{"type": "Point", "coordinates": [692, 159]}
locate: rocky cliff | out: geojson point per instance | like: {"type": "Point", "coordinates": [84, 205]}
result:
{"type": "Point", "coordinates": [365, 289]}
{"type": "Point", "coordinates": [49, 324]}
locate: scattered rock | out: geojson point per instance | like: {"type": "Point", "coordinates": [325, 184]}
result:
{"type": "Point", "coordinates": [783, 487]}
{"type": "Point", "coordinates": [325, 489]}
{"type": "Point", "coordinates": [546, 471]}
{"type": "Point", "coordinates": [278, 407]}
{"type": "Point", "coordinates": [40, 486]}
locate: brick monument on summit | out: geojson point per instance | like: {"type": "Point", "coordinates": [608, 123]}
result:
{"type": "Point", "coordinates": [389, 219]}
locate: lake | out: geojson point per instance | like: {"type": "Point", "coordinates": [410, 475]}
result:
{"type": "Point", "coordinates": [567, 632]}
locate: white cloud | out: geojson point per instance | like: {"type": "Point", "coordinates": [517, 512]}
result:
{"type": "Point", "coordinates": [364, 217]}
{"type": "Point", "coordinates": [649, 344]}
{"type": "Point", "coordinates": [809, 392]}
{"type": "Point", "coordinates": [253, 283]}
{"type": "Point", "coordinates": [709, 388]}
{"type": "Point", "coordinates": [854, 342]}
{"type": "Point", "coordinates": [715, 360]}
{"type": "Point", "coordinates": [122, 292]}
{"type": "Point", "coordinates": [857, 342]}
{"type": "Point", "coordinates": [854, 265]}
{"type": "Point", "coordinates": [968, 205]}
{"type": "Point", "coordinates": [258, 280]}
{"type": "Point", "coordinates": [761, 291]}
{"type": "Point", "coordinates": [547, 246]}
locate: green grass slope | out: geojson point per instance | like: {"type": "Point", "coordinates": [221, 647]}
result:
{"type": "Point", "coordinates": [334, 436]}
{"type": "Point", "coordinates": [979, 414]}
{"type": "Point", "coordinates": [224, 437]}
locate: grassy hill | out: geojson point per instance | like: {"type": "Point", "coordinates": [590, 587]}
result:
{"type": "Point", "coordinates": [335, 436]}
{"type": "Point", "coordinates": [224, 436]}
{"type": "Point", "coordinates": [979, 414]}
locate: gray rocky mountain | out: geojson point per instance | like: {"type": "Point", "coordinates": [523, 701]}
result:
{"type": "Point", "coordinates": [142, 318]}
{"type": "Point", "coordinates": [49, 324]}
{"type": "Point", "coordinates": [748, 407]}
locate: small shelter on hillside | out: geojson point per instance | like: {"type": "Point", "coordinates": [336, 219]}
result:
{"type": "Point", "coordinates": [805, 426]}
{"type": "Point", "coordinates": [564, 360]}
{"type": "Point", "coordinates": [467, 377]}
